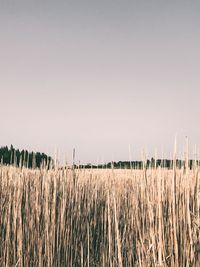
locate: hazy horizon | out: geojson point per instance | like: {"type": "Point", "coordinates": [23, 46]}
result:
{"type": "Point", "coordinates": [99, 76]}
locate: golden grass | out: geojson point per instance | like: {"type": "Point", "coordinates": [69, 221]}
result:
{"type": "Point", "coordinates": [99, 217]}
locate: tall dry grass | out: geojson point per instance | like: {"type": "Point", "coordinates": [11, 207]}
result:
{"type": "Point", "coordinates": [99, 217]}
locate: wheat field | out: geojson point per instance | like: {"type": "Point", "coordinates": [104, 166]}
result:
{"type": "Point", "coordinates": [81, 217]}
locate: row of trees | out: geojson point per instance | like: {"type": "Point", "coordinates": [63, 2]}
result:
{"type": "Point", "coordinates": [24, 158]}
{"type": "Point", "coordinates": [36, 160]}
{"type": "Point", "coordinates": [164, 163]}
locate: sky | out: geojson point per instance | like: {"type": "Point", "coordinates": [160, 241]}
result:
{"type": "Point", "coordinates": [110, 78]}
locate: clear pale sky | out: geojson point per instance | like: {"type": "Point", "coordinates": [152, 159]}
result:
{"type": "Point", "coordinates": [99, 76]}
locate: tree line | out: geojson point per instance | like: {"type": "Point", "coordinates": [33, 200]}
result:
{"type": "Point", "coordinates": [24, 158]}
{"type": "Point", "coordinates": [152, 163]}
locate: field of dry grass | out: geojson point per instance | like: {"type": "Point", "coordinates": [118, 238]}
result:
{"type": "Point", "coordinates": [99, 217]}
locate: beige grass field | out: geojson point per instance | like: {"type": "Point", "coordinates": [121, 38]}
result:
{"type": "Point", "coordinates": [99, 217]}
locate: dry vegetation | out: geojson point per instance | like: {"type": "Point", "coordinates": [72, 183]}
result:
{"type": "Point", "coordinates": [99, 217]}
